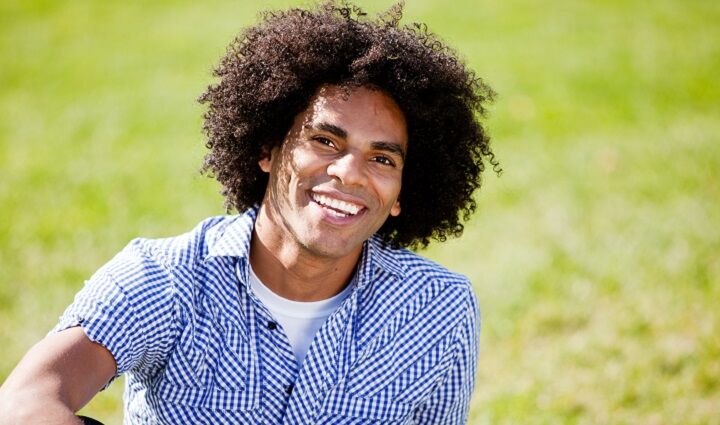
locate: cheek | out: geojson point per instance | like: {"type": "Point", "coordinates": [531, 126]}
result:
{"type": "Point", "coordinates": [394, 183]}
{"type": "Point", "coordinates": [288, 166]}
{"type": "Point", "coordinates": [389, 189]}
{"type": "Point", "coordinates": [309, 168]}
{"type": "Point", "coordinates": [305, 161]}
{"type": "Point", "coordinates": [299, 172]}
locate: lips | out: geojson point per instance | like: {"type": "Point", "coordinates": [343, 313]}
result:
{"type": "Point", "coordinates": [336, 207]}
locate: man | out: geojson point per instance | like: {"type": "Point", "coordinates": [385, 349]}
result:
{"type": "Point", "coordinates": [341, 141]}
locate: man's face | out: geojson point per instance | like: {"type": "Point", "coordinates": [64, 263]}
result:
{"type": "Point", "coordinates": [337, 176]}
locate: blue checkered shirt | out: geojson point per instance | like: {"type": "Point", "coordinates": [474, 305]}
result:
{"type": "Point", "coordinates": [198, 347]}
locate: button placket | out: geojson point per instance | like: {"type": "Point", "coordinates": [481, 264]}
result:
{"type": "Point", "coordinates": [342, 344]}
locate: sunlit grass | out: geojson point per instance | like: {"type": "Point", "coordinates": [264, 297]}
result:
{"type": "Point", "coordinates": [594, 256]}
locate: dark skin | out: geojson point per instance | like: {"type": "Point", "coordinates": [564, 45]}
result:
{"type": "Point", "coordinates": [299, 249]}
{"type": "Point", "coordinates": [57, 377]}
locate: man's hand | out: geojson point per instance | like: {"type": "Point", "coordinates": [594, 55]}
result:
{"type": "Point", "coordinates": [58, 376]}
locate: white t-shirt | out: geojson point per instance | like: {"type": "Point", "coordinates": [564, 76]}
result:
{"type": "Point", "coordinates": [300, 320]}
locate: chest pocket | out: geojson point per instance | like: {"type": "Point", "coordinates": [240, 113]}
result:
{"type": "Point", "coordinates": [341, 407]}
{"type": "Point", "coordinates": [210, 368]}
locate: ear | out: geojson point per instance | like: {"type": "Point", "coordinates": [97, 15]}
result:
{"type": "Point", "coordinates": [395, 210]}
{"type": "Point", "coordinates": [266, 160]}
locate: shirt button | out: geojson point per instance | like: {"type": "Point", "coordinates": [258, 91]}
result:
{"type": "Point", "coordinates": [272, 326]}
{"type": "Point", "coordinates": [289, 389]}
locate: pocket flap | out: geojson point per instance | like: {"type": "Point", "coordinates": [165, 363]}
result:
{"type": "Point", "coordinates": [209, 398]}
{"type": "Point", "coordinates": [378, 408]}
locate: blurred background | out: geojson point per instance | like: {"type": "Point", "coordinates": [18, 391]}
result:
{"type": "Point", "coordinates": [595, 257]}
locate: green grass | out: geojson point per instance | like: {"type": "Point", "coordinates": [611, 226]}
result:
{"type": "Point", "coordinates": [595, 256]}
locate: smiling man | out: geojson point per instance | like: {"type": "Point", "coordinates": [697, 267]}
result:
{"type": "Point", "coordinates": [332, 184]}
{"type": "Point", "coordinates": [341, 141]}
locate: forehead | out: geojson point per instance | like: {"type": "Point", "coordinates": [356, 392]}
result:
{"type": "Point", "coordinates": [362, 112]}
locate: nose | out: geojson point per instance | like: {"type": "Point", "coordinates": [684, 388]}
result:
{"type": "Point", "coordinates": [349, 169]}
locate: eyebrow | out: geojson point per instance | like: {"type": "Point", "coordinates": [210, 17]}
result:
{"type": "Point", "coordinates": [379, 145]}
{"type": "Point", "coordinates": [331, 128]}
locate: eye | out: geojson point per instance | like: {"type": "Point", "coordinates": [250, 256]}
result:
{"type": "Point", "coordinates": [384, 160]}
{"type": "Point", "coordinates": [324, 141]}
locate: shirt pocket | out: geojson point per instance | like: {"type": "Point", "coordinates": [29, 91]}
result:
{"type": "Point", "coordinates": [173, 404]}
{"type": "Point", "coordinates": [341, 407]}
{"type": "Point", "coordinates": [210, 368]}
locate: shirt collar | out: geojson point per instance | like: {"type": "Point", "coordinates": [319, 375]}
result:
{"type": "Point", "coordinates": [378, 256]}
{"type": "Point", "coordinates": [234, 241]}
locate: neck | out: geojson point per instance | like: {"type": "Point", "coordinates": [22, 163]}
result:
{"type": "Point", "coordinates": [291, 270]}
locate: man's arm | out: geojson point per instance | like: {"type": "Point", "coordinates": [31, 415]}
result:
{"type": "Point", "coordinates": [450, 403]}
{"type": "Point", "coordinates": [58, 376]}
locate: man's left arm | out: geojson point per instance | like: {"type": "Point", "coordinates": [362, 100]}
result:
{"type": "Point", "coordinates": [450, 402]}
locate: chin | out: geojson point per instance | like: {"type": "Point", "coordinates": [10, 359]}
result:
{"type": "Point", "coordinates": [334, 249]}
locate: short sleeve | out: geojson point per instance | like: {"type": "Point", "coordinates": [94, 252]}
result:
{"type": "Point", "coordinates": [128, 306]}
{"type": "Point", "coordinates": [450, 402]}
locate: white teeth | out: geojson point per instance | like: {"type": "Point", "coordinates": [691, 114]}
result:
{"type": "Point", "coordinates": [346, 208]}
{"type": "Point", "coordinates": [337, 213]}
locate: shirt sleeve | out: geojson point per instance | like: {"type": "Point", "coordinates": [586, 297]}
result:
{"type": "Point", "coordinates": [128, 306]}
{"type": "Point", "coordinates": [450, 402]}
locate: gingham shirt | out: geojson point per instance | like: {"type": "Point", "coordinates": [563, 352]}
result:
{"type": "Point", "coordinates": [198, 347]}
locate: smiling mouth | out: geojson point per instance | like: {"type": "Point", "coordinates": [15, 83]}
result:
{"type": "Point", "coordinates": [336, 207]}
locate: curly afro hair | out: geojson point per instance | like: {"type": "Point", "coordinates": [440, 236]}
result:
{"type": "Point", "coordinates": [272, 70]}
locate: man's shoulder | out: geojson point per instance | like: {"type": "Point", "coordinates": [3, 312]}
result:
{"type": "Point", "coordinates": [155, 268]}
{"type": "Point", "coordinates": [195, 245]}
{"type": "Point", "coordinates": [415, 299]}
{"type": "Point", "coordinates": [410, 280]}
{"type": "Point", "coordinates": [412, 267]}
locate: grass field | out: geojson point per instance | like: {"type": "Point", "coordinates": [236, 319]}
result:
{"type": "Point", "coordinates": [595, 257]}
